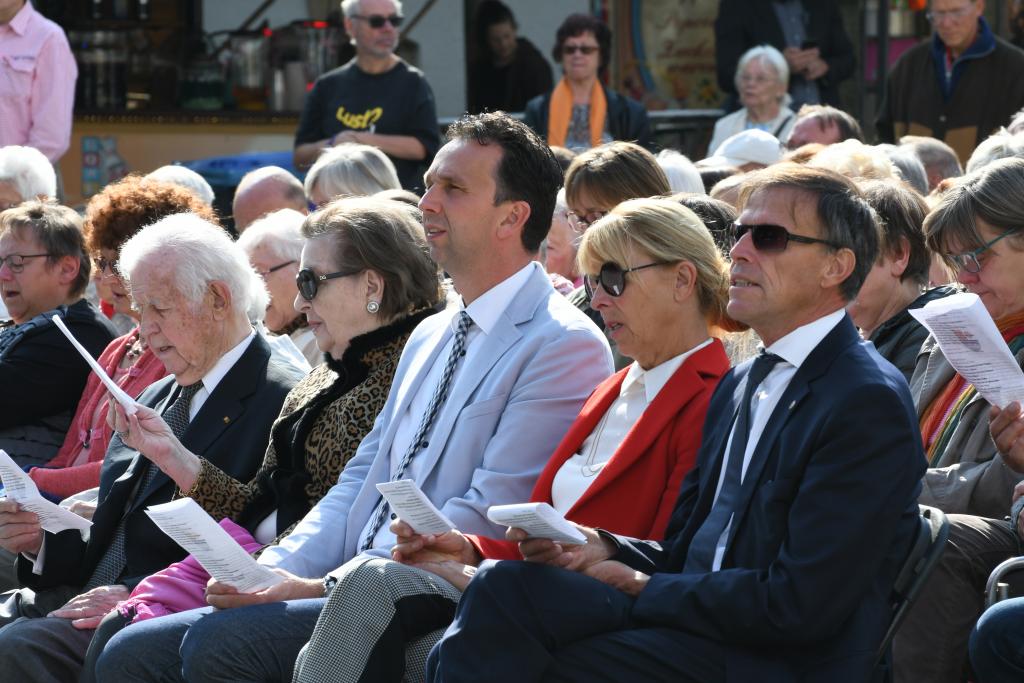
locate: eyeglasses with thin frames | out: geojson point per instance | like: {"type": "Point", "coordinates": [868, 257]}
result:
{"type": "Point", "coordinates": [952, 14]}
{"type": "Point", "coordinates": [273, 269]}
{"type": "Point", "coordinates": [969, 259]}
{"type": "Point", "coordinates": [16, 262]}
{"type": "Point", "coordinates": [378, 20]}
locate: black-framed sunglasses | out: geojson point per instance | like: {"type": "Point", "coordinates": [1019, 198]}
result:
{"type": "Point", "coordinates": [612, 278]}
{"type": "Point", "coordinates": [767, 237]}
{"type": "Point", "coordinates": [308, 282]}
{"type": "Point", "coordinates": [582, 49]}
{"type": "Point", "coordinates": [378, 20]}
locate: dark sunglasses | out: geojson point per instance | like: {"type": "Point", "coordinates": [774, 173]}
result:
{"type": "Point", "coordinates": [308, 282]}
{"type": "Point", "coordinates": [378, 20]}
{"type": "Point", "coordinates": [584, 49]}
{"type": "Point", "coordinates": [612, 279]}
{"type": "Point", "coordinates": [769, 237]}
{"type": "Point", "coordinates": [103, 263]}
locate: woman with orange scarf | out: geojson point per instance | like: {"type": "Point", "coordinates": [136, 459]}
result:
{"type": "Point", "coordinates": [580, 112]}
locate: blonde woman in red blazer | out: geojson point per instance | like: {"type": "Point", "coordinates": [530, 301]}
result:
{"type": "Point", "coordinates": [654, 274]}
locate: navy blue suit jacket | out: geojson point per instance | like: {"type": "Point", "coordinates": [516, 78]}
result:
{"type": "Point", "coordinates": [830, 511]}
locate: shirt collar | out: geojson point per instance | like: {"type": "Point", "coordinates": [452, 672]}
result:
{"type": "Point", "coordinates": [655, 379]}
{"type": "Point", "coordinates": [226, 362]}
{"type": "Point", "coordinates": [798, 344]}
{"type": "Point", "coordinates": [489, 306]}
{"type": "Point", "coordinates": [19, 24]}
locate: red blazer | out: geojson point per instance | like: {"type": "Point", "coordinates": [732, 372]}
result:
{"type": "Point", "coordinates": [635, 492]}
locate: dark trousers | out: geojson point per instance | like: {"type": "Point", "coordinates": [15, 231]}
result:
{"type": "Point", "coordinates": [521, 622]}
{"type": "Point", "coordinates": [36, 648]}
{"type": "Point", "coordinates": [931, 644]}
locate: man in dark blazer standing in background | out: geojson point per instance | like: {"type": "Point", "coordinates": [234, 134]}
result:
{"type": "Point", "coordinates": [808, 33]}
{"type": "Point", "coordinates": [194, 288]}
{"type": "Point", "coordinates": [786, 538]}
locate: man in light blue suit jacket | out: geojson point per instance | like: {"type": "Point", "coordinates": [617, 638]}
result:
{"type": "Point", "coordinates": [530, 361]}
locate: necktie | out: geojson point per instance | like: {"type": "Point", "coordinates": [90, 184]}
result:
{"type": "Point", "coordinates": [419, 440]}
{"type": "Point", "coordinates": [701, 554]}
{"type": "Point", "coordinates": [113, 560]}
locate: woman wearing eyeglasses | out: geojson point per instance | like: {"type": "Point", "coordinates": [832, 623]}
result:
{"type": "Point", "coordinates": [580, 112]}
{"type": "Point", "coordinates": [762, 81]}
{"type": "Point", "coordinates": [274, 245]}
{"type": "Point", "coordinates": [976, 226]}
{"type": "Point", "coordinates": [111, 217]}
{"type": "Point", "coordinates": [659, 281]}
{"type": "Point", "coordinates": [366, 280]}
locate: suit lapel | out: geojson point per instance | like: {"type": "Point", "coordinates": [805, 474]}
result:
{"type": "Point", "coordinates": [813, 367]}
{"type": "Point", "coordinates": [493, 346]}
{"type": "Point", "coordinates": [221, 408]}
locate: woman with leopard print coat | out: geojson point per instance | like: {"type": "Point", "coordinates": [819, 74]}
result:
{"type": "Point", "coordinates": [366, 281]}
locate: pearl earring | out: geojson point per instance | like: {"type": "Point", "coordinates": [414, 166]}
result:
{"type": "Point", "coordinates": [372, 306]}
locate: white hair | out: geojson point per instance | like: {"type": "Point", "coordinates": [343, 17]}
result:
{"type": "Point", "coordinates": [198, 253]}
{"type": "Point", "coordinates": [1000, 145]}
{"type": "Point", "coordinates": [187, 178]}
{"type": "Point", "coordinates": [28, 171]}
{"type": "Point", "coordinates": [350, 7]}
{"type": "Point", "coordinates": [769, 56]}
{"type": "Point", "coordinates": [855, 160]}
{"type": "Point", "coordinates": [352, 170]}
{"type": "Point", "coordinates": [682, 175]}
{"type": "Point", "coordinates": [280, 232]}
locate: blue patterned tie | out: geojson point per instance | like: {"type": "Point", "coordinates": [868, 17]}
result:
{"type": "Point", "coordinates": [701, 554]}
{"type": "Point", "coordinates": [113, 561]}
{"type": "Point", "coordinates": [419, 440]}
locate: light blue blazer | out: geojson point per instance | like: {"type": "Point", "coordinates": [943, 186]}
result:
{"type": "Point", "coordinates": [506, 412]}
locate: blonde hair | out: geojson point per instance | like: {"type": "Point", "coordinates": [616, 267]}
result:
{"type": "Point", "coordinates": [667, 232]}
{"type": "Point", "coordinates": [613, 173]}
{"type": "Point", "coordinates": [351, 169]}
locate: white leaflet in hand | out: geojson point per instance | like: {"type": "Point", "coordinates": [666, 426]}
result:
{"type": "Point", "coordinates": [973, 346]}
{"type": "Point", "coordinates": [126, 401]}
{"type": "Point", "coordinates": [195, 531]}
{"type": "Point", "coordinates": [414, 508]}
{"type": "Point", "coordinates": [539, 520]}
{"type": "Point", "coordinates": [20, 488]}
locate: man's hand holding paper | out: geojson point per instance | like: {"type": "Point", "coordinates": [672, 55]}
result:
{"type": "Point", "coordinates": [20, 531]}
{"type": "Point", "coordinates": [413, 548]}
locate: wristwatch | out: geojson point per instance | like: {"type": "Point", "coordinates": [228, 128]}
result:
{"type": "Point", "coordinates": [329, 583]}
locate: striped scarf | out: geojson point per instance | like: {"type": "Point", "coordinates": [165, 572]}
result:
{"type": "Point", "coordinates": [942, 416]}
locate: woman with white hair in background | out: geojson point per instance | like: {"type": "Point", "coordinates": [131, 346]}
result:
{"type": "Point", "coordinates": [350, 170]}
{"type": "Point", "coordinates": [184, 177]}
{"type": "Point", "coordinates": [762, 81]}
{"type": "Point", "coordinates": [274, 247]}
{"type": "Point", "coordinates": [682, 175]}
{"type": "Point", "coordinates": [25, 173]}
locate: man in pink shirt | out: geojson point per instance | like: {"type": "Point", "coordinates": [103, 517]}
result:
{"type": "Point", "coordinates": [37, 80]}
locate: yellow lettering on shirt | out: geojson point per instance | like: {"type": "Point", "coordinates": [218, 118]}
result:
{"type": "Point", "coordinates": [362, 121]}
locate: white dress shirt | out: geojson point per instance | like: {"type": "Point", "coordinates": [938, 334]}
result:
{"type": "Point", "coordinates": [638, 390]}
{"type": "Point", "coordinates": [793, 349]}
{"type": "Point", "coordinates": [485, 312]}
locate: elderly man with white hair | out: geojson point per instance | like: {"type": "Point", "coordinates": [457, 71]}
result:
{"type": "Point", "coordinates": [266, 190]}
{"type": "Point", "coordinates": [25, 174]}
{"type": "Point", "coordinates": [184, 177]}
{"type": "Point", "coordinates": [274, 247]}
{"type": "Point", "coordinates": [194, 288]}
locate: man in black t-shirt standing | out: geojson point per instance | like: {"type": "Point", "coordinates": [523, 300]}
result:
{"type": "Point", "coordinates": [376, 99]}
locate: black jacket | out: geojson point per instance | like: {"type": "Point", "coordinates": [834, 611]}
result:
{"type": "Point", "coordinates": [743, 24]}
{"type": "Point", "coordinates": [231, 430]}
{"type": "Point", "coordinates": [627, 118]}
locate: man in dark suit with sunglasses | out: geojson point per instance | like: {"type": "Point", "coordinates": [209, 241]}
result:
{"type": "Point", "coordinates": [376, 99]}
{"type": "Point", "coordinates": [786, 538]}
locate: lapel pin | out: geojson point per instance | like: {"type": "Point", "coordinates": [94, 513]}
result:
{"type": "Point", "coordinates": [792, 405]}
{"type": "Point", "coordinates": [227, 419]}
